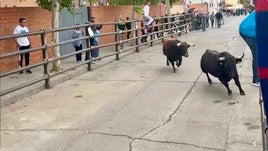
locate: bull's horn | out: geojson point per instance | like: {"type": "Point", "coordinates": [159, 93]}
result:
{"type": "Point", "coordinates": [222, 58]}
{"type": "Point", "coordinates": [241, 56]}
{"type": "Point", "coordinates": [191, 44]}
{"type": "Point", "coordinates": [178, 44]}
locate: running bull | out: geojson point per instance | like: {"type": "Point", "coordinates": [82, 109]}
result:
{"type": "Point", "coordinates": [174, 49]}
{"type": "Point", "coordinates": [223, 66]}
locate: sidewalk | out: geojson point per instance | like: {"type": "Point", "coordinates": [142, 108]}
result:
{"type": "Point", "coordinates": [14, 80]}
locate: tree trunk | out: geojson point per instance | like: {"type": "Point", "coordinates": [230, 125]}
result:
{"type": "Point", "coordinates": [55, 36]}
{"type": "Point", "coordinates": [168, 7]}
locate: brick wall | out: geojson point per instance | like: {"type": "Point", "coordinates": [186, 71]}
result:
{"type": "Point", "coordinates": [9, 19]}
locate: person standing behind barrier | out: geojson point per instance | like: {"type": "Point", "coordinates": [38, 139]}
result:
{"type": "Point", "coordinates": [95, 42]}
{"type": "Point", "coordinates": [212, 18]}
{"type": "Point", "coordinates": [128, 27]}
{"type": "Point", "coordinates": [144, 35]}
{"type": "Point", "coordinates": [22, 43]}
{"type": "Point", "coordinates": [247, 30]}
{"type": "Point", "coordinates": [121, 25]}
{"type": "Point", "coordinates": [77, 33]}
{"type": "Point", "coordinates": [93, 30]}
{"type": "Point", "coordinates": [156, 28]}
{"type": "Point", "coordinates": [147, 20]}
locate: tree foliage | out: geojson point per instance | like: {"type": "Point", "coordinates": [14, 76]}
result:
{"type": "Point", "coordinates": [47, 4]}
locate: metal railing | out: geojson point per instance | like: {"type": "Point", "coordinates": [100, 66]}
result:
{"type": "Point", "coordinates": [179, 25]}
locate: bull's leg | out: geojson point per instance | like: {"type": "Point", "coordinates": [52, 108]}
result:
{"type": "Point", "coordinates": [178, 62]}
{"type": "Point", "coordinates": [237, 82]}
{"type": "Point", "coordinates": [172, 63]}
{"type": "Point", "coordinates": [209, 80]}
{"type": "Point", "coordinates": [167, 62]}
{"type": "Point", "coordinates": [227, 86]}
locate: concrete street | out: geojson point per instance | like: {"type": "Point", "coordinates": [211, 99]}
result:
{"type": "Point", "coordinates": [139, 104]}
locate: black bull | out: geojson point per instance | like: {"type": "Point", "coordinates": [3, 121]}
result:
{"type": "Point", "coordinates": [223, 66]}
{"type": "Point", "coordinates": [174, 49]}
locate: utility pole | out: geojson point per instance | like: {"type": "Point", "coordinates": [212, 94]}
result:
{"type": "Point", "coordinates": [55, 36]}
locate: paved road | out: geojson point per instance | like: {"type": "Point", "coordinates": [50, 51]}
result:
{"type": "Point", "coordinates": [138, 104]}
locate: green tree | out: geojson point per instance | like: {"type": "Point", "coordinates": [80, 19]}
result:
{"type": "Point", "coordinates": [245, 2]}
{"type": "Point", "coordinates": [55, 6]}
{"type": "Point", "coordinates": [47, 4]}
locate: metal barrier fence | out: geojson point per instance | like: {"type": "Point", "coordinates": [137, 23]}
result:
{"type": "Point", "coordinates": [179, 25]}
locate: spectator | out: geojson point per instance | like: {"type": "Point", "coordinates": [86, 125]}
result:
{"type": "Point", "coordinates": [144, 35]}
{"type": "Point", "coordinates": [247, 30]}
{"type": "Point", "coordinates": [156, 26]}
{"type": "Point", "coordinates": [22, 43]}
{"type": "Point", "coordinates": [77, 33]}
{"type": "Point", "coordinates": [128, 27]}
{"type": "Point", "coordinates": [92, 30]}
{"type": "Point", "coordinates": [212, 18]}
{"type": "Point", "coordinates": [147, 20]}
{"type": "Point", "coordinates": [121, 25]}
{"type": "Point", "coordinates": [95, 52]}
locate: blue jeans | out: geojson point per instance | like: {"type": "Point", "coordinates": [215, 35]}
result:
{"type": "Point", "coordinates": [79, 55]}
{"type": "Point", "coordinates": [95, 52]}
{"type": "Point", "coordinates": [252, 43]}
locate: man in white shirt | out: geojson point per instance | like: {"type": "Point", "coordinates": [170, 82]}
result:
{"type": "Point", "coordinates": [147, 20]}
{"type": "Point", "coordinates": [22, 43]}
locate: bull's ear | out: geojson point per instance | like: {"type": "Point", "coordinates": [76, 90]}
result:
{"type": "Point", "coordinates": [178, 44]}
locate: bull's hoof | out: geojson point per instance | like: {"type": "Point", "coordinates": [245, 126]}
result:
{"type": "Point", "coordinates": [174, 70]}
{"type": "Point", "coordinates": [230, 93]}
{"type": "Point", "coordinates": [210, 82]}
{"type": "Point", "coordinates": [178, 64]}
{"type": "Point", "coordinates": [167, 62]}
{"type": "Point", "coordinates": [242, 93]}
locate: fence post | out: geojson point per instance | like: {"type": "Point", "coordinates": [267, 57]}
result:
{"type": "Point", "coordinates": [162, 28]}
{"type": "Point", "coordinates": [136, 36]}
{"type": "Point", "coordinates": [45, 58]}
{"type": "Point", "coordinates": [151, 38]}
{"type": "Point", "coordinates": [116, 40]}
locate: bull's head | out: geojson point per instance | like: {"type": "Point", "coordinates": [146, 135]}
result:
{"type": "Point", "coordinates": [184, 47]}
{"type": "Point", "coordinates": [237, 59]}
{"type": "Point", "coordinates": [228, 64]}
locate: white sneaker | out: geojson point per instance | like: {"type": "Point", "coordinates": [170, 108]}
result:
{"type": "Point", "coordinates": [256, 84]}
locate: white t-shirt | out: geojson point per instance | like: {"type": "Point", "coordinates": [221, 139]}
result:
{"type": "Point", "coordinates": [22, 41]}
{"type": "Point", "coordinates": [146, 10]}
